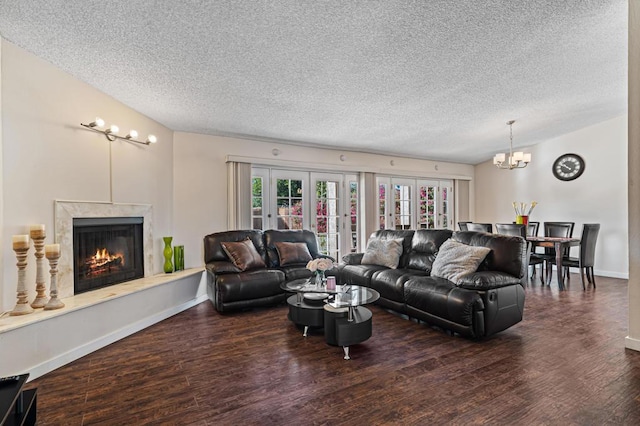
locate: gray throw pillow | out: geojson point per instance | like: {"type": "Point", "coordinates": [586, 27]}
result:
{"type": "Point", "coordinates": [383, 253]}
{"type": "Point", "coordinates": [456, 260]}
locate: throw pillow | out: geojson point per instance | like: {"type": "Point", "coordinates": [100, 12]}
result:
{"type": "Point", "coordinates": [383, 252]}
{"type": "Point", "coordinates": [293, 253]}
{"type": "Point", "coordinates": [243, 254]}
{"type": "Point", "coordinates": [456, 260]}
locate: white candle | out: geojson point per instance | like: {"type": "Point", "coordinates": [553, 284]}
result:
{"type": "Point", "coordinates": [52, 250]}
{"type": "Point", "coordinates": [20, 241]}
{"type": "Point", "coordinates": [36, 231]}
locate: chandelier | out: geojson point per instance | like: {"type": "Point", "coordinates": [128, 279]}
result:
{"type": "Point", "coordinates": [515, 160]}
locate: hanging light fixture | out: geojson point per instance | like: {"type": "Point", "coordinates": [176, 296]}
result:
{"type": "Point", "coordinates": [515, 160]}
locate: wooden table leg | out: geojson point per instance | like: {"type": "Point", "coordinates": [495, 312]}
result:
{"type": "Point", "coordinates": [558, 247]}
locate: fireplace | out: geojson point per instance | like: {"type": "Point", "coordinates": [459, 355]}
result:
{"type": "Point", "coordinates": [106, 251]}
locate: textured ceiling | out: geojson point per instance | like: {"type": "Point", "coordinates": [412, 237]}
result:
{"type": "Point", "coordinates": [431, 79]}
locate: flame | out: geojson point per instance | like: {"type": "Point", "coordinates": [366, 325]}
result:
{"type": "Point", "coordinates": [103, 257]}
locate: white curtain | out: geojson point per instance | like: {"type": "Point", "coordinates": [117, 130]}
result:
{"type": "Point", "coordinates": [239, 195]}
{"type": "Point", "coordinates": [368, 205]}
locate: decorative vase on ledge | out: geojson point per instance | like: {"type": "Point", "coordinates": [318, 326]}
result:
{"type": "Point", "coordinates": [168, 254]}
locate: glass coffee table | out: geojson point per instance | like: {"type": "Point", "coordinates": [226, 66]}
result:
{"type": "Point", "coordinates": [339, 311]}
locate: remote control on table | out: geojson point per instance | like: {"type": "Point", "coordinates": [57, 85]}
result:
{"type": "Point", "coordinates": [9, 379]}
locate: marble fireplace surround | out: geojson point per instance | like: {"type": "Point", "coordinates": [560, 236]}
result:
{"type": "Point", "coordinates": [66, 211]}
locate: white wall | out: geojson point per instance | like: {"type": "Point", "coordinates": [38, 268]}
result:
{"type": "Point", "coordinates": [598, 196]}
{"type": "Point", "coordinates": [201, 177]}
{"type": "Point", "coordinates": [46, 156]}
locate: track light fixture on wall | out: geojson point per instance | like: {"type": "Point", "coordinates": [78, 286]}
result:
{"type": "Point", "coordinates": [111, 132]}
{"type": "Point", "coordinates": [516, 160]}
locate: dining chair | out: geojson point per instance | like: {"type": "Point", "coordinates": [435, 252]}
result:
{"type": "Point", "coordinates": [532, 229]}
{"type": "Point", "coordinates": [481, 227]}
{"type": "Point", "coordinates": [520, 230]}
{"type": "Point", "coordinates": [515, 229]}
{"type": "Point", "coordinates": [586, 259]}
{"type": "Point", "coordinates": [463, 226]}
{"type": "Point", "coordinates": [556, 229]}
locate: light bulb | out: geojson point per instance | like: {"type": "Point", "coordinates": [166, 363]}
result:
{"type": "Point", "coordinates": [132, 134]}
{"type": "Point", "coordinates": [98, 122]}
{"type": "Point", "coordinates": [152, 139]}
{"type": "Point", "coordinates": [112, 129]}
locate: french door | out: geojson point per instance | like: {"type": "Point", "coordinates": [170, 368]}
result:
{"type": "Point", "coordinates": [326, 203]}
{"type": "Point", "coordinates": [435, 204]}
{"type": "Point", "coordinates": [414, 203]}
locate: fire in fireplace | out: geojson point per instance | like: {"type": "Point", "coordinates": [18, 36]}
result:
{"type": "Point", "coordinates": [106, 251]}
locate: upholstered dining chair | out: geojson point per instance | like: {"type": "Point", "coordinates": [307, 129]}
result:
{"type": "Point", "coordinates": [587, 256]}
{"type": "Point", "coordinates": [463, 226]}
{"type": "Point", "coordinates": [556, 229]}
{"type": "Point", "coordinates": [519, 230]}
{"type": "Point", "coordinates": [482, 227]}
{"type": "Point", "coordinates": [514, 229]}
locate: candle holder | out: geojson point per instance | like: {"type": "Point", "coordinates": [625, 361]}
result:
{"type": "Point", "coordinates": [38, 242]}
{"type": "Point", "coordinates": [54, 302]}
{"type": "Point", "coordinates": [22, 306]}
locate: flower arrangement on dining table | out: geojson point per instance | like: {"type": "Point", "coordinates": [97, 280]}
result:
{"type": "Point", "coordinates": [523, 211]}
{"type": "Point", "coordinates": [318, 267]}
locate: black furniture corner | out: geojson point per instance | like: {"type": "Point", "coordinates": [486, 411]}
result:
{"type": "Point", "coordinates": [17, 406]}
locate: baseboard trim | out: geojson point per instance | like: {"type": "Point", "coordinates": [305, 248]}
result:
{"type": "Point", "coordinates": [631, 343]}
{"type": "Point", "coordinates": [107, 339]}
{"type": "Point", "coordinates": [609, 274]}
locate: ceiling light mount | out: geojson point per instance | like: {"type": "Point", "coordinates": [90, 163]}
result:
{"type": "Point", "coordinates": [515, 160]}
{"type": "Point", "coordinates": [111, 132]}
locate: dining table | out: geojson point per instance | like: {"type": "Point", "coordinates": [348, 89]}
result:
{"type": "Point", "coordinates": [559, 244]}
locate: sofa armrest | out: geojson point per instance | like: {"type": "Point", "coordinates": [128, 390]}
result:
{"type": "Point", "coordinates": [352, 258]}
{"type": "Point", "coordinates": [487, 280]}
{"type": "Point", "coordinates": [222, 267]}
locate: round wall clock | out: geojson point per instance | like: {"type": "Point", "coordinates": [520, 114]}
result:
{"type": "Point", "coordinates": [568, 167]}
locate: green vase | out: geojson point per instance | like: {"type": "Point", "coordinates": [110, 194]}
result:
{"type": "Point", "coordinates": [168, 255]}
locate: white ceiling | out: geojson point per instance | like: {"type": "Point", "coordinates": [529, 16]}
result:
{"type": "Point", "coordinates": [432, 79]}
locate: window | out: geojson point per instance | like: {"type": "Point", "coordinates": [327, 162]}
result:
{"type": "Point", "coordinates": [289, 199]}
{"type": "Point", "coordinates": [257, 201]}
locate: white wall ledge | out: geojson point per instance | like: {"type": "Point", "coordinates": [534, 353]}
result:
{"type": "Point", "coordinates": [45, 340]}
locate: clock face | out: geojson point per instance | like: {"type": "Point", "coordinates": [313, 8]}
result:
{"type": "Point", "coordinates": [568, 167]}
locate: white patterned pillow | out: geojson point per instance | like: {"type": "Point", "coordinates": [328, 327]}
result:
{"type": "Point", "coordinates": [456, 260]}
{"type": "Point", "coordinates": [383, 253]}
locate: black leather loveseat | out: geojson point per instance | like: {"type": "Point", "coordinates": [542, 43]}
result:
{"type": "Point", "coordinates": [480, 304]}
{"type": "Point", "coordinates": [238, 278]}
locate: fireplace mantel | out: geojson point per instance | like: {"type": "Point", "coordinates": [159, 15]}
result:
{"type": "Point", "coordinates": [66, 211]}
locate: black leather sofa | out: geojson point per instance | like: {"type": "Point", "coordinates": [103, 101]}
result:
{"type": "Point", "coordinates": [481, 304]}
{"type": "Point", "coordinates": [230, 288]}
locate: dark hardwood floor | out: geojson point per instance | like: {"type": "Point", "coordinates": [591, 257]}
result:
{"type": "Point", "coordinates": [564, 364]}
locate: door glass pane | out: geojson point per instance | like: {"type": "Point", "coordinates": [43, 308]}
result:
{"type": "Point", "coordinates": [426, 210]}
{"type": "Point", "coordinates": [382, 207]}
{"type": "Point", "coordinates": [328, 217]}
{"type": "Point", "coordinates": [257, 201]}
{"type": "Point", "coordinates": [289, 202]}
{"type": "Point", "coordinates": [402, 201]}
{"type": "Point", "coordinates": [445, 206]}
{"type": "Point", "coordinates": [353, 216]}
